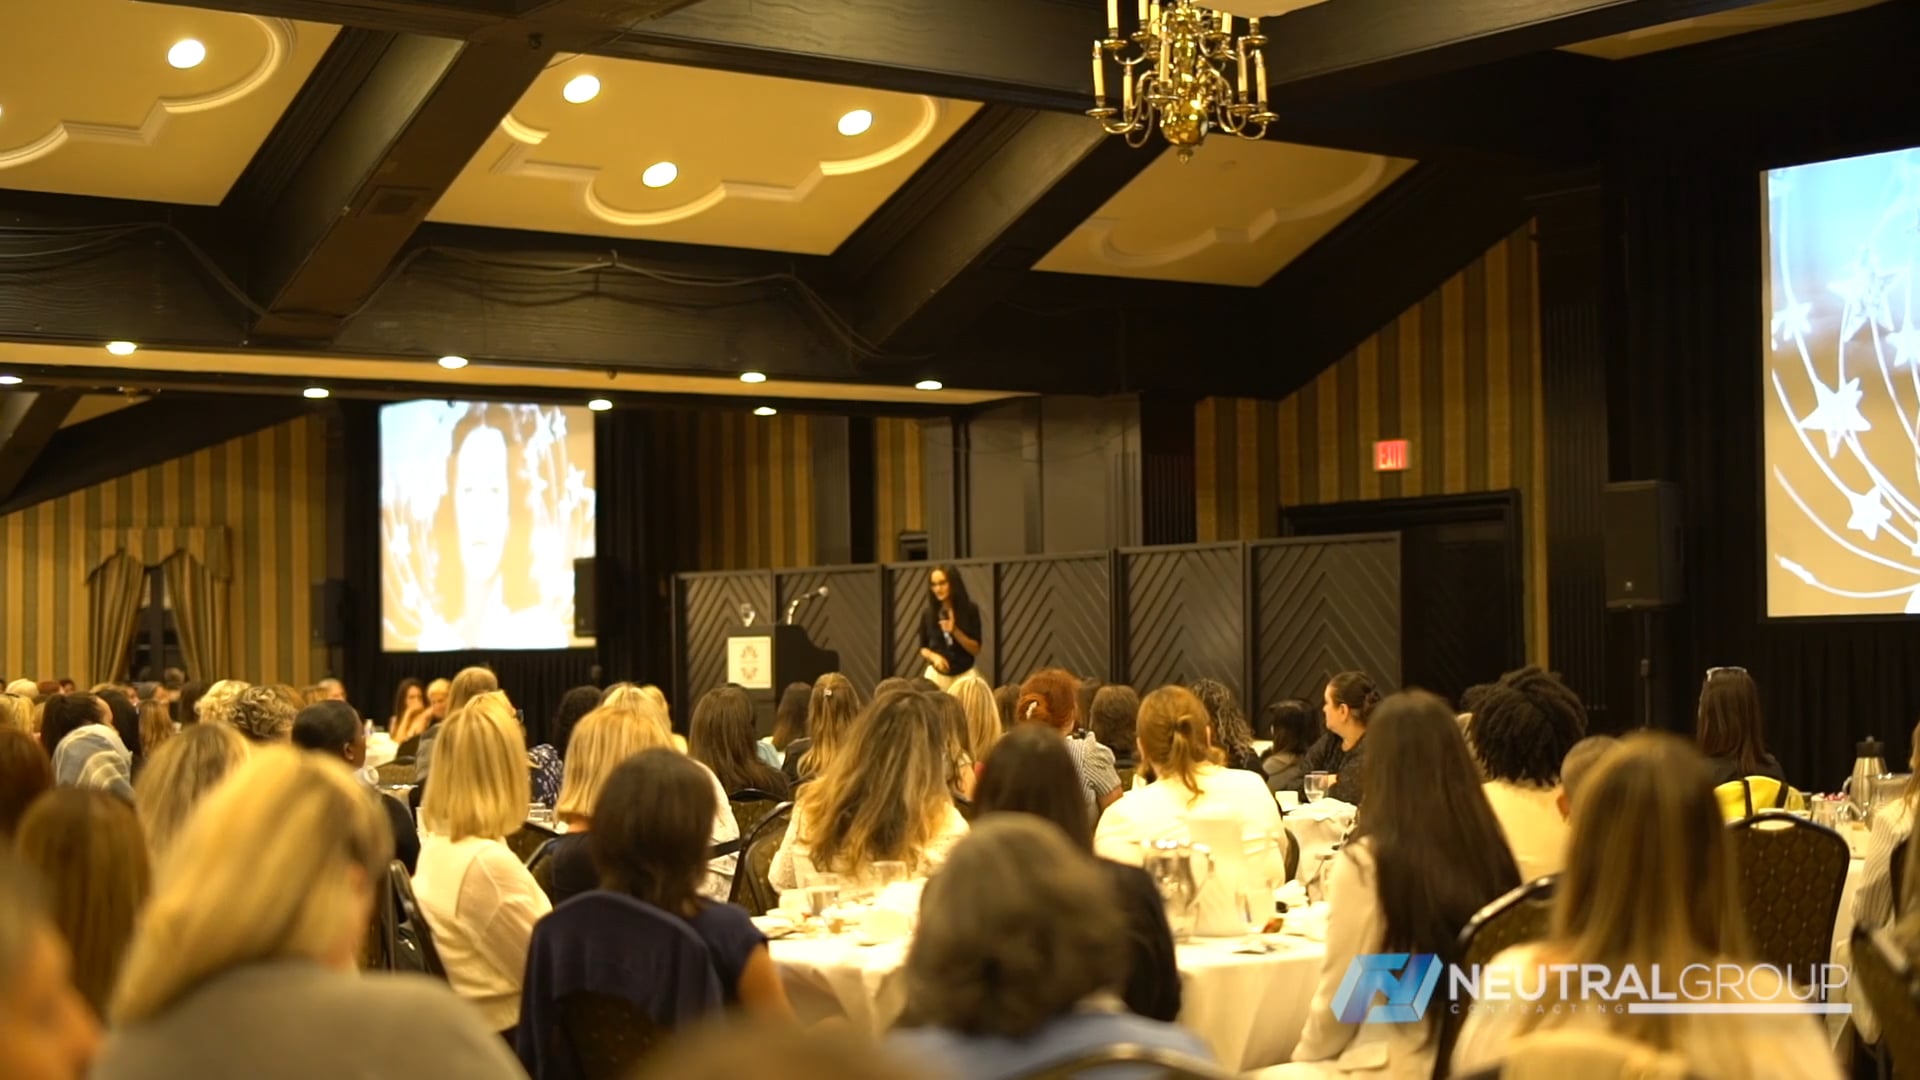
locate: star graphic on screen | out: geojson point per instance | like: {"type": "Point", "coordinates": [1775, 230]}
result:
{"type": "Point", "coordinates": [1865, 293]}
{"type": "Point", "coordinates": [1906, 345]}
{"type": "Point", "coordinates": [1869, 513]}
{"type": "Point", "coordinates": [1836, 413]}
{"type": "Point", "coordinates": [1792, 322]}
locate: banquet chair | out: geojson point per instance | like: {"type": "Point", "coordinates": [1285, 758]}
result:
{"type": "Point", "coordinates": [1514, 919]}
{"type": "Point", "coordinates": [1580, 1054]}
{"type": "Point", "coordinates": [1893, 989]}
{"type": "Point", "coordinates": [1792, 875]}
{"type": "Point", "coordinates": [527, 841]}
{"type": "Point", "coordinates": [1152, 1061]}
{"type": "Point", "coordinates": [752, 879]}
{"type": "Point", "coordinates": [1293, 853]}
{"type": "Point", "coordinates": [414, 922]}
{"type": "Point", "coordinates": [607, 977]}
{"type": "Point", "coordinates": [750, 805]}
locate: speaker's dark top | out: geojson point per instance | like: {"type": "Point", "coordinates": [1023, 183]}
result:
{"type": "Point", "coordinates": [966, 617]}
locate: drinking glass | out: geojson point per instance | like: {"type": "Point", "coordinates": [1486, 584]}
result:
{"type": "Point", "coordinates": [823, 892]}
{"type": "Point", "coordinates": [1317, 785]}
{"type": "Point", "coordinates": [887, 873]}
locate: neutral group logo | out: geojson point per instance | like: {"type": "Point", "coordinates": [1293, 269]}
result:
{"type": "Point", "coordinates": [1396, 988]}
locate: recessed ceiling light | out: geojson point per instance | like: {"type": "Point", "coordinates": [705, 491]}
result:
{"type": "Point", "coordinates": [660, 174]}
{"type": "Point", "coordinates": [581, 89]}
{"type": "Point", "coordinates": [9, 380]}
{"type": "Point", "coordinates": [315, 392]}
{"type": "Point", "coordinates": [856, 123]}
{"type": "Point", "coordinates": [453, 363]}
{"type": "Point", "coordinates": [599, 404]}
{"type": "Point", "coordinates": [752, 377]}
{"type": "Point", "coordinates": [186, 53]}
{"type": "Point", "coordinates": [121, 348]}
{"type": "Point", "coordinates": [765, 410]}
{"type": "Point", "coordinates": [929, 384]}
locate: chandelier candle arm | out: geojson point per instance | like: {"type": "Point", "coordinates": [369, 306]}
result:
{"type": "Point", "coordinates": [1113, 18]}
{"type": "Point", "coordinates": [1173, 75]}
{"type": "Point", "coordinates": [1099, 78]}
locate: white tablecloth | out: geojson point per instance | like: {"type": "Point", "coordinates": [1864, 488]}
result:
{"type": "Point", "coordinates": [1249, 1008]}
{"type": "Point", "coordinates": [380, 750]}
{"type": "Point", "coordinates": [1317, 828]}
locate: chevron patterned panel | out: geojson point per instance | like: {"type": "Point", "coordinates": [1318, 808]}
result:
{"type": "Point", "coordinates": [710, 609]}
{"type": "Point", "coordinates": [907, 594]}
{"type": "Point", "coordinates": [1323, 606]}
{"type": "Point", "coordinates": [846, 620]}
{"type": "Point", "coordinates": [1184, 617]}
{"type": "Point", "coordinates": [1055, 613]}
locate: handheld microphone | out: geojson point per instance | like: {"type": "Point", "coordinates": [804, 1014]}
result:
{"type": "Point", "coordinates": [794, 605]}
{"type": "Point", "coordinates": [747, 614]}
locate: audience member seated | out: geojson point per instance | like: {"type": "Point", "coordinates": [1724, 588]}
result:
{"type": "Point", "coordinates": [1575, 767]}
{"type": "Point", "coordinates": [409, 708]}
{"type": "Point", "coordinates": [263, 715]}
{"type": "Point", "coordinates": [1651, 880]}
{"type": "Point", "coordinates": [216, 705]}
{"type": "Point", "coordinates": [1008, 698]}
{"type": "Point", "coordinates": [477, 897]}
{"type": "Point", "coordinates": [550, 768]}
{"type": "Point", "coordinates": [962, 772]}
{"type": "Point", "coordinates": [1426, 855]}
{"type": "Point", "coordinates": [416, 724]}
{"type": "Point", "coordinates": [87, 750]}
{"type": "Point", "coordinates": [884, 799]}
{"type": "Point", "coordinates": [1115, 711]}
{"type": "Point", "coordinates": [730, 1051]}
{"type": "Point", "coordinates": [156, 727]}
{"type": "Point", "coordinates": [1731, 730]}
{"type": "Point", "coordinates": [468, 684]}
{"type": "Point", "coordinates": [1013, 966]}
{"type": "Point", "coordinates": [180, 774]}
{"type": "Point", "coordinates": [1031, 772]}
{"type": "Point", "coordinates": [1296, 728]}
{"type": "Point", "coordinates": [88, 848]}
{"type": "Point", "coordinates": [47, 1032]}
{"type": "Point", "coordinates": [721, 738]}
{"type": "Point", "coordinates": [124, 717]}
{"type": "Point", "coordinates": [334, 729]}
{"type": "Point", "coordinates": [789, 723]}
{"type": "Point", "coordinates": [1052, 698]}
{"type": "Point", "coordinates": [1522, 729]}
{"type": "Point", "coordinates": [982, 728]}
{"type": "Point", "coordinates": [1232, 735]}
{"type": "Point", "coordinates": [830, 715]}
{"type": "Point", "coordinates": [1890, 828]}
{"type": "Point", "coordinates": [1349, 699]}
{"type": "Point", "coordinates": [649, 841]}
{"type": "Point", "coordinates": [244, 962]}
{"type": "Point", "coordinates": [1190, 783]}
{"type": "Point", "coordinates": [25, 773]}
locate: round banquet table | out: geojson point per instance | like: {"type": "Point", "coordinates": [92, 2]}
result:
{"type": "Point", "coordinates": [1250, 1008]}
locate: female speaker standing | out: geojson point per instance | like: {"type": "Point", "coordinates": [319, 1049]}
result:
{"type": "Point", "coordinates": [950, 629]}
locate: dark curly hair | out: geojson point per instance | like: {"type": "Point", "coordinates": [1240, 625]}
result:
{"type": "Point", "coordinates": [1524, 725]}
{"type": "Point", "coordinates": [1231, 732]}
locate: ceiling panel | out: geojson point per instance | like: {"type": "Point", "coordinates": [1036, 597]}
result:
{"type": "Point", "coordinates": [1673, 35]}
{"type": "Point", "coordinates": [1235, 214]}
{"type": "Point", "coordinates": [760, 161]}
{"type": "Point", "coordinates": [89, 104]}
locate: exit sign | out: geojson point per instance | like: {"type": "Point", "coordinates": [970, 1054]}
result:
{"type": "Point", "coordinates": [1391, 455]}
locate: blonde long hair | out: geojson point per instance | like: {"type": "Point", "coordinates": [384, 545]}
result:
{"type": "Point", "coordinates": [1175, 735]}
{"type": "Point", "coordinates": [262, 872]}
{"type": "Point", "coordinates": [1651, 875]}
{"type": "Point", "coordinates": [469, 684]}
{"type": "Point", "coordinates": [983, 714]}
{"type": "Point", "coordinates": [480, 784]}
{"type": "Point", "coordinates": [602, 740]}
{"type": "Point", "coordinates": [831, 711]}
{"type": "Point", "coordinates": [886, 796]}
{"type": "Point", "coordinates": [181, 773]}
{"type": "Point", "coordinates": [88, 847]}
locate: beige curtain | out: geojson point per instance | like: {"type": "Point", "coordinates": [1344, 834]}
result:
{"type": "Point", "coordinates": [116, 586]}
{"type": "Point", "coordinates": [199, 614]}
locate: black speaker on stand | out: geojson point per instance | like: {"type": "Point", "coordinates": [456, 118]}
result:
{"type": "Point", "coordinates": [1644, 558]}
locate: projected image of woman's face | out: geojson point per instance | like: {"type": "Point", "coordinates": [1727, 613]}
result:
{"type": "Point", "coordinates": [481, 507]}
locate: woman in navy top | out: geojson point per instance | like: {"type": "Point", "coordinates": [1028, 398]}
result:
{"type": "Point", "coordinates": [651, 831]}
{"type": "Point", "coordinates": [950, 629]}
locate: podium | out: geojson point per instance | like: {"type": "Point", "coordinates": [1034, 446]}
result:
{"type": "Point", "coordinates": [764, 659]}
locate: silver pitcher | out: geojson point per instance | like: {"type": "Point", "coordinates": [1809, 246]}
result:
{"type": "Point", "coordinates": [1863, 787]}
{"type": "Point", "coordinates": [1179, 870]}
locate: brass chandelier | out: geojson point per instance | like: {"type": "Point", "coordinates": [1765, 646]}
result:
{"type": "Point", "coordinates": [1174, 75]}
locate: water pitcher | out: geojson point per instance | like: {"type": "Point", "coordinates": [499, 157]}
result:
{"type": "Point", "coordinates": [1868, 765]}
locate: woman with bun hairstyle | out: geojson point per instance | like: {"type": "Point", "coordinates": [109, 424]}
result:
{"type": "Point", "coordinates": [1052, 698]}
{"type": "Point", "coordinates": [1348, 702]}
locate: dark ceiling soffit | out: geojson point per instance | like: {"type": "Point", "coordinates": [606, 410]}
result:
{"type": "Point", "coordinates": [152, 432]}
{"type": "Point", "coordinates": [29, 419]}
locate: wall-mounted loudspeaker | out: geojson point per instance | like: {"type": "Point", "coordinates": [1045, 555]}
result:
{"type": "Point", "coordinates": [1644, 564]}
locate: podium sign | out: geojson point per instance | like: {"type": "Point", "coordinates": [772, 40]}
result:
{"type": "Point", "coordinates": [750, 661]}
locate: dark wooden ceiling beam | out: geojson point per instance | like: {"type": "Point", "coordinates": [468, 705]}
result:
{"type": "Point", "coordinates": [29, 419]}
{"type": "Point", "coordinates": [970, 225]}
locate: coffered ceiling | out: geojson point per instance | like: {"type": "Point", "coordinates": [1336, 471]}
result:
{"type": "Point", "coordinates": [1235, 214]}
{"type": "Point", "coordinates": [1673, 35]}
{"type": "Point", "coordinates": [757, 162]}
{"type": "Point", "coordinates": [91, 105]}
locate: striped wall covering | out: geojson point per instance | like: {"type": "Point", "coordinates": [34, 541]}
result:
{"type": "Point", "coordinates": [1458, 375]}
{"type": "Point", "coordinates": [747, 497]}
{"type": "Point", "coordinates": [267, 489]}
{"type": "Point", "coordinates": [900, 483]}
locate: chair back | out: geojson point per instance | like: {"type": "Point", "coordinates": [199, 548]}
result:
{"type": "Point", "coordinates": [401, 886]}
{"type": "Point", "coordinates": [1792, 873]}
{"type": "Point", "coordinates": [606, 976]}
{"type": "Point", "coordinates": [753, 878]}
{"type": "Point", "coordinates": [1153, 1061]}
{"type": "Point", "coordinates": [529, 839]}
{"type": "Point", "coordinates": [1749, 795]}
{"type": "Point", "coordinates": [1893, 990]}
{"type": "Point", "coordinates": [750, 805]}
{"type": "Point", "coordinates": [382, 949]}
{"type": "Point", "coordinates": [1521, 916]}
